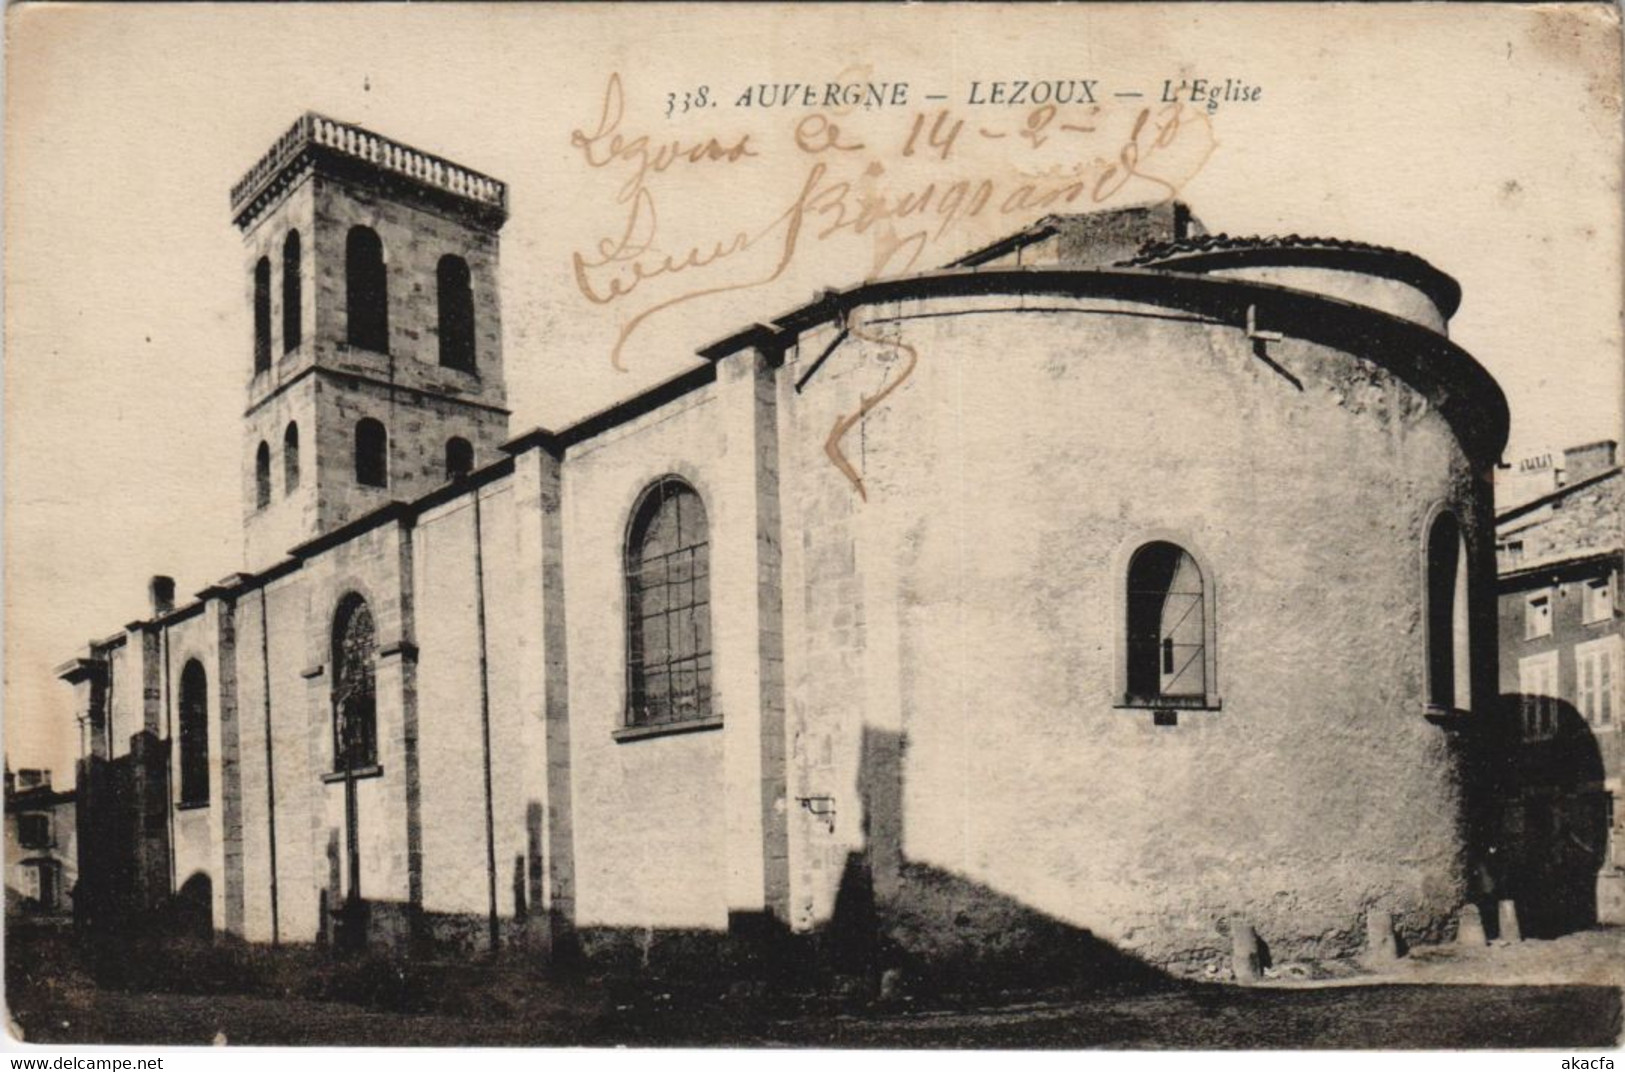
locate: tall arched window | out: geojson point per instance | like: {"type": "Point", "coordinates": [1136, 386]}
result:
{"type": "Point", "coordinates": [459, 457]}
{"type": "Point", "coordinates": [1449, 657]}
{"type": "Point", "coordinates": [262, 476]}
{"type": "Point", "coordinates": [194, 734]}
{"type": "Point", "coordinates": [355, 707]}
{"type": "Point", "coordinates": [292, 290]}
{"type": "Point", "coordinates": [456, 300]}
{"type": "Point", "coordinates": [366, 290]}
{"type": "Point", "coordinates": [1168, 642]}
{"type": "Point", "coordinates": [668, 608]}
{"type": "Point", "coordinates": [371, 453]}
{"type": "Point", "coordinates": [290, 458]}
{"type": "Point", "coordinates": [262, 316]}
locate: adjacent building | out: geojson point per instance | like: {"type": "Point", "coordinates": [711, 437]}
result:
{"type": "Point", "coordinates": [1562, 642]}
{"type": "Point", "coordinates": [1071, 604]}
{"type": "Point", "coordinates": [42, 858]}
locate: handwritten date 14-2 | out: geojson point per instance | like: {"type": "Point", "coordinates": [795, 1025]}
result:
{"type": "Point", "coordinates": [841, 185]}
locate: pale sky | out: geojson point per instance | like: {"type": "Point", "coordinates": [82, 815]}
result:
{"type": "Point", "coordinates": [1486, 139]}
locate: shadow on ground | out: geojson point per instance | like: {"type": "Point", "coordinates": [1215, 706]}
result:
{"type": "Point", "coordinates": [297, 997]}
{"type": "Point", "coordinates": [914, 956]}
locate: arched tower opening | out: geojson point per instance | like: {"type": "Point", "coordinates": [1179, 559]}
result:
{"type": "Point", "coordinates": [373, 299]}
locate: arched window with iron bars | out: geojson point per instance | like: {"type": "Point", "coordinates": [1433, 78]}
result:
{"type": "Point", "coordinates": [355, 705]}
{"type": "Point", "coordinates": [1167, 625]}
{"type": "Point", "coordinates": [668, 607]}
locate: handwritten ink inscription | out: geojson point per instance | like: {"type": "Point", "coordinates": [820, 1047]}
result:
{"type": "Point", "coordinates": [895, 184]}
{"type": "Point", "coordinates": [846, 422]}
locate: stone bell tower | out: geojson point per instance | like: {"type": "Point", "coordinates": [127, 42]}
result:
{"type": "Point", "coordinates": [375, 369]}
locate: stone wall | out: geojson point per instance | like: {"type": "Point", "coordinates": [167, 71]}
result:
{"type": "Point", "coordinates": [919, 527]}
{"type": "Point", "coordinates": [955, 694]}
{"type": "Point", "coordinates": [198, 830]}
{"type": "Point", "coordinates": [293, 515]}
{"type": "Point", "coordinates": [326, 385]}
{"type": "Point", "coordinates": [649, 822]}
{"type": "Point", "coordinates": [414, 239]}
{"type": "Point", "coordinates": [464, 721]}
{"type": "Point", "coordinates": [1584, 521]}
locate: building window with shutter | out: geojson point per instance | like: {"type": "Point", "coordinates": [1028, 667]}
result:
{"type": "Point", "coordinates": [1538, 695]}
{"type": "Point", "coordinates": [34, 831]}
{"type": "Point", "coordinates": [1597, 682]}
{"type": "Point", "coordinates": [1597, 600]}
{"type": "Point", "coordinates": [1537, 615]}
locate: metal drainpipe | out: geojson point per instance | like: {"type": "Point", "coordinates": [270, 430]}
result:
{"type": "Point", "coordinates": [270, 763]}
{"type": "Point", "coordinates": [352, 822]}
{"type": "Point", "coordinates": [485, 723]}
{"type": "Point", "coordinates": [108, 736]}
{"type": "Point", "coordinates": [169, 763]}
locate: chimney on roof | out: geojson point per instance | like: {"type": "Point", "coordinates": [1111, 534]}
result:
{"type": "Point", "coordinates": [1098, 239]}
{"type": "Point", "coordinates": [1588, 460]}
{"type": "Point", "coordinates": [161, 595]}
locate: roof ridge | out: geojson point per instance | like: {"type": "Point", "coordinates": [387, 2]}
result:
{"type": "Point", "coordinates": [1512, 513]}
{"type": "Point", "coordinates": [1155, 251]}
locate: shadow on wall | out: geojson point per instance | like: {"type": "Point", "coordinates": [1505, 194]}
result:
{"type": "Point", "coordinates": [192, 910]}
{"type": "Point", "coordinates": [891, 917]}
{"type": "Point", "coordinates": [895, 913]}
{"type": "Point", "coordinates": [1539, 815]}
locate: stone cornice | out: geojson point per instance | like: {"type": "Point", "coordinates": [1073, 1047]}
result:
{"type": "Point", "coordinates": [1471, 399]}
{"type": "Point", "coordinates": [348, 151]}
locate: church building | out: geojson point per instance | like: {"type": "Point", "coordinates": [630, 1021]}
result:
{"type": "Point", "coordinates": [1106, 589]}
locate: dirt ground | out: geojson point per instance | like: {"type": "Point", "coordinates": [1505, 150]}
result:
{"type": "Point", "coordinates": [1563, 993]}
